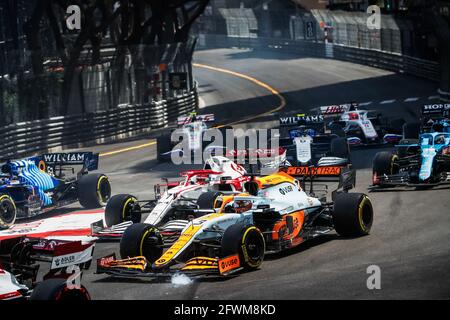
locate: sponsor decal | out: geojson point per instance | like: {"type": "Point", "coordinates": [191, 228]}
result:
{"type": "Point", "coordinates": [229, 263]}
{"type": "Point", "coordinates": [105, 261]}
{"type": "Point", "coordinates": [72, 258]}
{"type": "Point", "coordinates": [334, 109]}
{"type": "Point", "coordinates": [301, 118]}
{"type": "Point", "coordinates": [68, 158]}
{"type": "Point", "coordinates": [285, 190]}
{"type": "Point", "coordinates": [315, 171]}
{"type": "Point", "coordinates": [435, 108]}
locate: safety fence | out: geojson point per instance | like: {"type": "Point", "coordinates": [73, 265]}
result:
{"type": "Point", "coordinates": [26, 138]}
{"type": "Point", "coordinates": [374, 58]}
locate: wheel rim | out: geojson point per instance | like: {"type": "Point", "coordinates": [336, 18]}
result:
{"type": "Point", "coordinates": [254, 246]}
{"type": "Point", "coordinates": [7, 211]}
{"type": "Point", "coordinates": [104, 190]}
{"type": "Point", "coordinates": [131, 211]}
{"type": "Point", "coordinates": [150, 246]}
{"type": "Point", "coordinates": [365, 216]}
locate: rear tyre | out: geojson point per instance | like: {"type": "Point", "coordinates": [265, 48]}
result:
{"type": "Point", "coordinates": [207, 200]}
{"type": "Point", "coordinates": [8, 211]}
{"type": "Point", "coordinates": [141, 239]}
{"type": "Point", "coordinates": [247, 242]}
{"type": "Point", "coordinates": [57, 289]}
{"type": "Point", "coordinates": [340, 148]}
{"type": "Point", "coordinates": [121, 208]}
{"type": "Point", "coordinates": [411, 130]}
{"type": "Point", "coordinates": [94, 190]}
{"type": "Point", "coordinates": [352, 215]}
{"type": "Point", "coordinates": [163, 145]}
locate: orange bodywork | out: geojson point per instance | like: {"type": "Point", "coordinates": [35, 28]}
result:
{"type": "Point", "coordinates": [281, 229]}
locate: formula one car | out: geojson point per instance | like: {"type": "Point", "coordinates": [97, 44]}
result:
{"type": "Point", "coordinates": [433, 118]}
{"type": "Point", "coordinates": [36, 185]}
{"type": "Point", "coordinates": [273, 215]}
{"type": "Point", "coordinates": [190, 133]}
{"type": "Point", "coordinates": [308, 142]}
{"type": "Point", "coordinates": [19, 270]}
{"type": "Point", "coordinates": [424, 164]}
{"type": "Point", "coordinates": [218, 175]}
{"type": "Point", "coordinates": [360, 127]}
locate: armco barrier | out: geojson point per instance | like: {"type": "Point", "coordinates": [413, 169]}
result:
{"type": "Point", "coordinates": [26, 138]}
{"type": "Point", "coordinates": [375, 58]}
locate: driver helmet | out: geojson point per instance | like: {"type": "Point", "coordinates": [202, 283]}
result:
{"type": "Point", "coordinates": [241, 206]}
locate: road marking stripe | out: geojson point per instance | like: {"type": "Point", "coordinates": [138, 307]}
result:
{"type": "Point", "coordinates": [141, 146]}
{"type": "Point", "coordinates": [255, 81]}
{"type": "Point", "coordinates": [240, 75]}
{"type": "Point", "coordinates": [387, 101]}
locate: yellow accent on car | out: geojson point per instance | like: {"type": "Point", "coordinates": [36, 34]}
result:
{"type": "Point", "coordinates": [276, 178]}
{"type": "Point", "coordinates": [184, 238]}
{"type": "Point", "coordinates": [360, 213]}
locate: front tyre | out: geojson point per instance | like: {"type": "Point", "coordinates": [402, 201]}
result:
{"type": "Point", "coordinates": [8, 211]}
{"type": "Point", "coordinates": [247, 242]}
{"type": "Point", "coordinates": [57, 289]}
{"type": "Point", "coordinates": [384, 163]}
{"type": "Point", "coordinates": [121, 208]}
{"type": "Point", "coordinates": [352, 215]}
{"type": "Point", "coordinates": [141, 239]}
{"type": "Point", "coordinates": [94, 190]}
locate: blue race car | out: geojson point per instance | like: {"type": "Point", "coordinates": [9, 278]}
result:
{"type": "Point", "coordinates": [35, 185]}
{"type": "Point", "coordinates": [423, 164]}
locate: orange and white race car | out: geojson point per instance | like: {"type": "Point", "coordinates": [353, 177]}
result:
{"type": "Point", "coordinates": [273, 214]}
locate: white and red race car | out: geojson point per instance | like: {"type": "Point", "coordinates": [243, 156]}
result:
{"type": "Point", "coordinates": [19, 270]}
{"type": "Point", "coordinates": [197, 189]}
{"type": "Point", "coordinates": [173, 200]}
{"type": "Point", "coordinates": [360, 127]}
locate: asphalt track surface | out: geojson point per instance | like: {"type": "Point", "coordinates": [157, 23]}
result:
{"type": "Point", "coordinates": [410, 238]}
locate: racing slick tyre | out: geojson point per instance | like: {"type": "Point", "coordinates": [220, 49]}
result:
{"type": "Point", "coordinates": [163, 145]}
{"type": "Point", "coordinates": [8, 211]}
{"type": "Point", "coordinates": [94, 190]}
{"type": "Point", "coordinates": [141, 239]}
{"type": "Point", "coordinates": [57, 289]}
{"type": "Point", "coordinates": [340, 148]}
{"type": "Point", "coordinates": [207, 200]}
{"type": "Point", "coordinates": [384, 164]}
{"type": "Point", "coordinates": [352, 215]}
{"type": "Point", "coordinates": [411, 130]}
{"type": "Point", "coordinates": [121, 208]}
{"type": "Point", "coordinates": [247, 242]}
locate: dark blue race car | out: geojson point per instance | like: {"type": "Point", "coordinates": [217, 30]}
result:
{"type": "Point", "coordinates": [35, 185]}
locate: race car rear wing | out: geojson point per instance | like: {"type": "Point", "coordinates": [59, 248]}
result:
{"type": "Point", "coordinates": [335, 110]}
{"type": "Point", "coordinates": [436, 110]}
{"type": "Point", "coordinates": [195, 117]}
{"type": "Point", "coordinates": [343, 174]}
{"type": "Point", "coordinates": [301, 119]}
{"type": "Point", "coordinates": [88, 160]}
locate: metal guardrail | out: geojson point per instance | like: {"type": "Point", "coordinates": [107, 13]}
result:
{"type": "Point", "coordinates": [26, 138]}
{"type": "Point", "coordinates": [374, 58]}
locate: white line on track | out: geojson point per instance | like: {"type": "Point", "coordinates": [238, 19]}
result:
{"type": "Point", "coordinates": [411, 99]}
{"type": "Point", "coordinates": [387, 101]}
